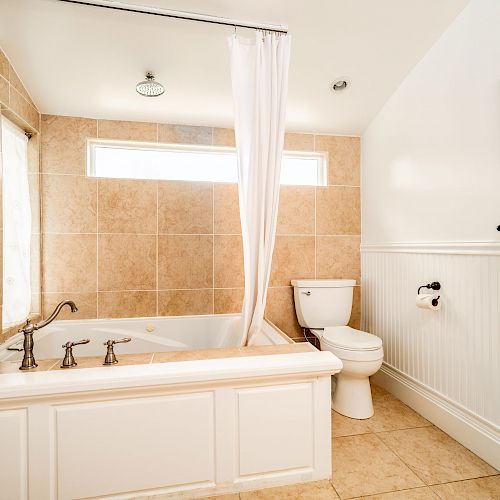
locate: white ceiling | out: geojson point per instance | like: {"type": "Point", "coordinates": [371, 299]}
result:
{"type": "Point", "coordinates": [85, 61]}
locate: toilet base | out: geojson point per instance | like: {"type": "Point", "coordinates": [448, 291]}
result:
{"type": "Point", "coordinates": [352, 397]}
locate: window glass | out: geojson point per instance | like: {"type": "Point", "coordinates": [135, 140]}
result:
{"type": "Point", "coordinates": [140, 161]}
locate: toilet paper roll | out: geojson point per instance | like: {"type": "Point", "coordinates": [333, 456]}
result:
{"type": "Point", "coordinates": [424, 301]}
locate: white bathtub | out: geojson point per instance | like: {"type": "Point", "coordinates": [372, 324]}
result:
{"type": "Point", "coordinates": [186, 429]}
{"type": "Point", "coordinates": [162, 334]}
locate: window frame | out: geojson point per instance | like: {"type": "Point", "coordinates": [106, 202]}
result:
{"type": "Point", "coordinates": [92, 144]}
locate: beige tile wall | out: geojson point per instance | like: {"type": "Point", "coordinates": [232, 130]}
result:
{"type": "Point", "coordinates": [17, 105]}
{"type": "Point", "coordinates": [139, 248]}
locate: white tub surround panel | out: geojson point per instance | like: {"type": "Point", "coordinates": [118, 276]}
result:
{"type": "Point", "coordinates": [193, 426]}
{"type": "Point", "coordinates": [14, 455]}
{"type": "Point", "coordinates": [445, 364]}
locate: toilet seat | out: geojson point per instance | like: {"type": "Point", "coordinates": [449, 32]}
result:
{"type": "Point", "coordinates": [349, 344]}
{"type": "Point", "coordinates": [347, 338]}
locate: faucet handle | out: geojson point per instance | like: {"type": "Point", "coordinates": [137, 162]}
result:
{"type": "Point", "coordinates": [69, 360]}
{"type": "Point", "coordinates": [111, 342]}
{"type": "Point", "coordinates": [110, 358]}
{"type": "Point", "coordinates": [79, 342]}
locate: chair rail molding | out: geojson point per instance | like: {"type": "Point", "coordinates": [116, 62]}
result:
{"type": "Point", "coordinates": [436, 247]}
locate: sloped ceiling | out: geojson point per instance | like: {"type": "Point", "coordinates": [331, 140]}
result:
{"type": "Point", "coordinates": [85, 61]}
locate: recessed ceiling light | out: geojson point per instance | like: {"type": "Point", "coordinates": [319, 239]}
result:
{"type": "Point", "coordinates": [340, 84]}
{"type": "Point", "coordinates": [150, 88]}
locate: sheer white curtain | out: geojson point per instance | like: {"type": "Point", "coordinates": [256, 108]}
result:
{"type": "Point", "coordinates": [16, 225]}
{"type": "Point", "coordinates": [259, 73]}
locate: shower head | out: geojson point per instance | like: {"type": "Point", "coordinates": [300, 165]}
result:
{"type": "Point", "coordinates": [150, 88]}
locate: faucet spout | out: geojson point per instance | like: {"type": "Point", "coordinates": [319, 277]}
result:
{"type": "Point", "coordinates": [56, 312]}
{"type": "Point", "coordinates": [29, 328]}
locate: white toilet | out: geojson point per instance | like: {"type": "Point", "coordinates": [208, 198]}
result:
{"type": "Point", "coordinates": [324, 306]}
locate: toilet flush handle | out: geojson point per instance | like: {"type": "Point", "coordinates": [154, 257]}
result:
{"type": "Point", "coordinates": [307, 293]}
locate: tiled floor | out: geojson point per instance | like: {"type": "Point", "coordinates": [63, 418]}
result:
{"type": "Point", "coordinates": [395, 455]}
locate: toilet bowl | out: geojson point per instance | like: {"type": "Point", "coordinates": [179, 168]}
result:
{"type": "Point", "coordinates": [361, 354]}
{"type": "Point", "coordinates": [324, 307]}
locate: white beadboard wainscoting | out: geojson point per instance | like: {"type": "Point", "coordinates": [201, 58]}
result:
{"type": "Point", "coordinates": [445, 364]}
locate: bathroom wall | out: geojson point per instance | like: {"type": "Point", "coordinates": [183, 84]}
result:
{"type": "Point", "coordinates": [17, 105]}
{"type": "Point", "coordinates": [145, 248]}
{"type": "Point", "coordinates": [431, 207]}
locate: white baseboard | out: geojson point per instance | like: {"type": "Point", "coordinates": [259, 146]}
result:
{"type": "Point", "coordinates": [475, 433]}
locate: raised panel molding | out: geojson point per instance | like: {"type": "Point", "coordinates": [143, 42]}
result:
{"type": "Point", "coordinates": [131, 445]}
{"type": "Point", "coordinates": [453, 352]}
{"type": "Point", "coordinates": [275, 428]}
{"type": "Point", "coordinates": [14, 454]}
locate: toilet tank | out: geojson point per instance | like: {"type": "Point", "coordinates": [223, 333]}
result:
{"type": "Point", "coordinates": [322, 303]}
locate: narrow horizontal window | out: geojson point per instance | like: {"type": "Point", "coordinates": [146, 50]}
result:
{"type": "Point", "coordinates": [127, 160]}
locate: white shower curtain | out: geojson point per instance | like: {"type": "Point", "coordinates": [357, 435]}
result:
{"type": "Point", "coordinates": [259, 73]}
{"type": "Point", "coordinates": [16, 225]}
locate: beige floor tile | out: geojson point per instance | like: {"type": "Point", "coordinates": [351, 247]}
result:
{"type": "Point", "coordinates": [434, 456]}
{"type": "Point", "coordinates": [345, 426]}
{"type": "Point", "coordinates": [485, 488]}
{"type": "Point", "coordinates": [379, 393]}
{"type": "Point", "coordinates": [391, 414]}
{"type": "Point", "coordinates": [364, 465]}
{"type": "Point", "coordinates": [414, 494]}
{"type": "Point", "coordinates": [318, 490]}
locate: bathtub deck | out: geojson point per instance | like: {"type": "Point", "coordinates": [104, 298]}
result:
{"type": "Point", "coordinates": [162, 357]}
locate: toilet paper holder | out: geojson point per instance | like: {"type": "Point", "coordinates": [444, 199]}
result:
{"type": "Point", "coordinates": [435, 285]}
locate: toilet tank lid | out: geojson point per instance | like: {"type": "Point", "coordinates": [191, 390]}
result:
{"type": "Point", "coordinates": [323, 283]}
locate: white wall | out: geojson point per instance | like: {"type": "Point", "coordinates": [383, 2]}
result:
{"type": "Point", "coordinates": [430, 194]}
{"type": "Point", "coordinates": [431, 157]}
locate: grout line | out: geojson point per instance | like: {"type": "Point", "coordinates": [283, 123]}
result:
{"type": "Point", "coordinates": [305, 186]}
{"type": "Point", "coordinates": [400, 457]}
{"type": "Point", "coordinates": [295, 235]}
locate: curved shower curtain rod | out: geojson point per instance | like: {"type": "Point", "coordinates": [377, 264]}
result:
{"type": "Point", "coordinates": [177, 14]}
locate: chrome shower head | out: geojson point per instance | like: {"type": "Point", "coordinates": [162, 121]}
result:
{"type": "Point", "coordinates": [150, 88]}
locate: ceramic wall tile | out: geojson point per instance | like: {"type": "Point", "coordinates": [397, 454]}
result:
{"type": "Point", "coordinates": [338, 210]}
{"type": "Point", "coordinates": [338, 257]}
{"type": "Point", "coordinates": [64, 144]}
{"type": "Point", "coordinates": [86, 303]}
{"type": "Point", "coordinates": [296, 210]}
{"type": "Point", "coordinates": [280, 310]}
{"type": "Point", "coordinates": [127, 206]}
{"type": "Point", "coordinates": [228, 262]}
{"type": "Point", "coordinates": [127, 131]}
{"type": "Point", "coordinates": [343, 158]}
{"type": "Point", "coordinates": [185, 261]}
{"type": "Point", "coordinates": [69, 204]}
{"type": "Point", "coordinates": [185, 302]}
{"type": "Point", "coordinates": [126, 304]}
{"type": "Point", "coordinates": [69, 263]}
{"type": "Point", "coordinates": [127, 262]}
{"type": "Point", "coordinates": [224, 137]}
{"type": "Point", "coordinates": [228, 300]}
{"type": "Point", "coordinates": [184, 134]}
{"type": "Point", "coordinates": [185, 207]}
{"type": "Point", "coordinates": [226, 209]}
{"type": "Point", "coordinates": [293, 258]}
